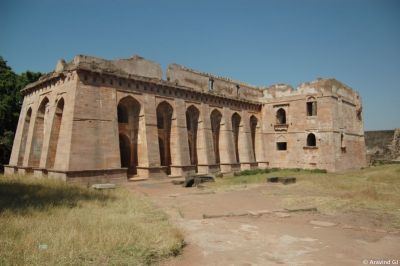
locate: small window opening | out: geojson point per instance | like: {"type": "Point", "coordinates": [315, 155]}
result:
{"type": "Point", "coordinates": [210, 84]}
{"type": "Point", "coordinates": [281, 146]}
{"type": "Point", "coordinates": [311, 108]}
{"type": "Point", "coordinates": [311, 141]}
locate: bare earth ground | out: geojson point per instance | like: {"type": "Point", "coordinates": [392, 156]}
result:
{"type": "Point", "coordinates": [274, 238]}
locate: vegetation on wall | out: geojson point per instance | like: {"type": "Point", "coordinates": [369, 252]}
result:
{"type": "Point", "coordinates": [10, 105]}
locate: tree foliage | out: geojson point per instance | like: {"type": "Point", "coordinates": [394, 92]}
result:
{"type": "Point", "coordinates": [10, 105]}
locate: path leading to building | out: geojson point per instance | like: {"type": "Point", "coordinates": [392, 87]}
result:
{"type": "Point", "coordinates": [267, 236]}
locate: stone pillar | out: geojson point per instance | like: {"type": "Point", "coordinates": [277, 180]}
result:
{"type": "Point", "coordinates": [180, 157]}
{"type": "Point", "coordinates": [246, 155]}
{"type": "Point", "coordinates": [227, 145]}
{"type": "Point", "coordinates": [205, 150]}
{"type": "Point", "coordinates": [260, 148]}
{"type": "Point", "coordinates": [149, 157]}
{"type": "Point", "coordinates": [11, 167]}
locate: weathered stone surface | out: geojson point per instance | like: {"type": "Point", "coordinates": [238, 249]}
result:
{"type": "Point", "coordinates": [94, 119]}
{"type": "Point", "coordinates": [322, 223]}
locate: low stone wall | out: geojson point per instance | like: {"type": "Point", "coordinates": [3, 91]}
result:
{"type": "Point", "coordinates": [383, 144]}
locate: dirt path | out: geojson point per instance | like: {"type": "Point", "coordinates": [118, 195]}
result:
{"type": "Point", "coordinates": [274, 238]}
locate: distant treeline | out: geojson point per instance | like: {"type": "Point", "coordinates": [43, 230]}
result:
{"type": "Point", "coordinates": [10, 105]}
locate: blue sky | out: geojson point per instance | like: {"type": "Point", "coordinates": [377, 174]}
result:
{"type": "Point", "coordinates": [259, 42]}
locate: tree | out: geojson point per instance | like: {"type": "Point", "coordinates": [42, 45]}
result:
{"type": "Point", "coordinates": [10, 105]}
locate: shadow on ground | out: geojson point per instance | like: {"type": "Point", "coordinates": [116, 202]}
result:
{"type": "Point", "coordinates": [19, 196]}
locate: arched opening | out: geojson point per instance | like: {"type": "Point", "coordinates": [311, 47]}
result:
{"type": "Point", "coordinates": [311, 106]}
{"type": "Point", "coordinates": [38, 133]}
{"type": "Point", "coordinates": [235, 129]}
{"type": "Point", "coordinates": [24, 136]}
{"type": "Point", "coordinates": [128, 126]}
{"type": "Point", "coordinates": [125, 151]}
{"type": "Point", "coordinates": [215, 118]}
{"type": "Point", "coordinates": [281, 116]}
{"type": "Point", "coordinates": [253, 128]}
{"type": "Point", "coordinates": [192, 120]}
{"type": "Point", "coordinates": [311, 141]}
{"type": "Point", "coordinates": [164, 119]}
{"type": "Point", "coordinates": [55, 132]}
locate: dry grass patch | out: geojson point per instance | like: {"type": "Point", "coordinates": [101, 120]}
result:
{"type": "Point", "coordinates": [373, 191]}
{"type": "Point", "coordinates": [46, 222]}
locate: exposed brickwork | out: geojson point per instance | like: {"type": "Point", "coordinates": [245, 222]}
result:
{"type": "Point", "coordinates": [97, 119]}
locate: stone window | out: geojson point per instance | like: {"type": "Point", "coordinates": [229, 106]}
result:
{"type": "Point", "coordinates": [210, 84]}
{"type": "Point", "coordinates": [311, 107]}
{"type": "Point", "coordinates": [281, 146]}
{"type": "Point", "coordinates": [311, 140]}
{"type": "Point", "coordinates": [281, 116]}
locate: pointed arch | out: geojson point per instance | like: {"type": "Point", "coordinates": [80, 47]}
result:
{"type": "Point", "coordinates": [281, 116]}
{"type": "Point", "coordinates": [215, 118]}
{"type": "Point", "coordinates": [55, 132]}
{"type": "Point", "coordinates": [24, 136]}
{"type": "Point", "coordinates": [253, 128]}
{"type": "Point", "coordinates": [235, 129]}
{"type": "Point", "coordinates": [311, 140]}
{"type": "Point", "coordinates": [164, 121]}
{"type": "Point", "coordinates": [128, 112]}
{"type": "Point", "coordinates": [38, 133]}
{"type": "Point", "coordinates": [192, 120]}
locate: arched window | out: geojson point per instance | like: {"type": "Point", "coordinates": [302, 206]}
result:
{"type": "Point", "coordinates": [281, 116]}
{"type": "Point", "coordinates": [311, 107]}
{"type": "Point", "coordinates": [311, 141]}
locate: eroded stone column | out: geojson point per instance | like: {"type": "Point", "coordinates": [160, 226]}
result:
{"type": "Point", "coordinates": [246, 154]}
{"type": "Point", "coordinates": [149, 157]}
{"type": "Point", "coordinates": [205, 149]}
{"type": "Point", "coordinates": [226, 144]}
{"type": "Point", "coordinates": [180, 156]}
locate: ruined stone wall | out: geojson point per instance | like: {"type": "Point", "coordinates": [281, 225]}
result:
{"type": "Point", "coordinates": [383, 144]}
{"type": "Point", "coordinates": [25, 144]}
{"type": "Point", "coordinates": [336, 126]}
{"type": "Point", "coordinates": [93, 119]}
{"type": "Point", "coordinates": [201, 82]}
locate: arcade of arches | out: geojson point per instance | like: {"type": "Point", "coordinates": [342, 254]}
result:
{"type": "Point", "coordinates": [129, 114]}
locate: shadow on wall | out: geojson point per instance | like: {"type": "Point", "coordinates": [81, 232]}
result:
{"type": "Point", "coordinates": [22, 196]}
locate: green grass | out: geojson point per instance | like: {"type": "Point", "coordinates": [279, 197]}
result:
{"type": "Point", "coordinates": [373, 191]}
{"type": "Point", "coordinates": [45, 222]}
